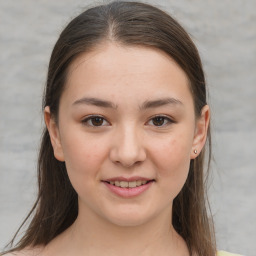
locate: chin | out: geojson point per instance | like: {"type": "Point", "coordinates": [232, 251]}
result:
{"type": "Point", "coordinates": [129, 218]}
{"type": "Point", "coordinates": [128, 222]}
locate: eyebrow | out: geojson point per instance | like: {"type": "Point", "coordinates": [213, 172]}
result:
{"type": "Point", "coordinates": [160, 102]}
{"type": "Point", "coordinates": [96, 102]}
{"type": "Point", "coordinates": [146, 105]}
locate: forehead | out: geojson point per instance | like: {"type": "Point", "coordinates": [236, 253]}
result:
{"type": "Point", "coordinates": [112, 70]}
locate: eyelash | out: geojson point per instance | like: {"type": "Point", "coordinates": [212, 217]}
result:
{"type": "Point", "coordinates": [167, 121]}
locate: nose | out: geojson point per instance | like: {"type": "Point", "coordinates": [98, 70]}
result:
{"type": "Point", "coordinates": [127, 148]}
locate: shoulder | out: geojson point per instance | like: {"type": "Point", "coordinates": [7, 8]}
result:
{"type": "Point", "coordinates": [25, 252]}
{"type": "Point", "coordinates": [11, 254]}
{"type": "Point", "coordinates": [16, 253]}
{"type": "Point", "coordinates": [223, 253]}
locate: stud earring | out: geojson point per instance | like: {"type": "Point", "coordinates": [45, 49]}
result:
{"type": "Point", "coordinates": [195, 151]}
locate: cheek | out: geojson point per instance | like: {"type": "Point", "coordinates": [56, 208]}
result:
{"type": "Point", "coordinates": [172, 160]}
{"type": "Point", "coordinates": [174, 149]}
{"type": "Point", "coordinates": [83, 157]}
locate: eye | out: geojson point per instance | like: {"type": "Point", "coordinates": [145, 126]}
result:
{"type": "Point", "coordinates": [160, 121]}
{"type": "Point", "coordinates": [95, 121]}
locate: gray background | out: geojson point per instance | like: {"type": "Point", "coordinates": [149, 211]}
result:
{"type": "Point", "coordinates": [225, 33]}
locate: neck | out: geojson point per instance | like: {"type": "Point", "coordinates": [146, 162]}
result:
{"type": "Point", "coordinates": [92, 235]}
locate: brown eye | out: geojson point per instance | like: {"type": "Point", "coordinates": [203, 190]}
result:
{"type": "Point", "coordinates": [95, 121]}
{"type": "Point", "coordinates": [160, 121]}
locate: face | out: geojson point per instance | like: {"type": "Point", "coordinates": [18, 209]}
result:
{"type": "Point", "coordinates": [126, 118]}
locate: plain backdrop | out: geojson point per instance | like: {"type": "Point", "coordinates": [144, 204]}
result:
{"type": "Point", "coordinates": [225, 33]}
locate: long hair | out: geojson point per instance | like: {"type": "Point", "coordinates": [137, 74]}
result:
{"type": "Point", "coordinates": [132, 24]}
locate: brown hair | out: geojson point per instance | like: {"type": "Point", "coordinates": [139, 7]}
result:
{"type": "Point", "coordinates": [127, 23]}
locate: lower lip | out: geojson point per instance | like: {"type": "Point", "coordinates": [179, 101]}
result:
{"type": "Point", "coordinates": [128, 192]}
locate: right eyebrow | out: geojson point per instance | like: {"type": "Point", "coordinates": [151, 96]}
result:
{"type": "Point", "coordinates": [95, 102]}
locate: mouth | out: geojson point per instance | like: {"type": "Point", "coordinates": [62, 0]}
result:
{"type": "Point", "coordinates": [129, 187]}
{"type": "Point", "coordinates": [129, 184]}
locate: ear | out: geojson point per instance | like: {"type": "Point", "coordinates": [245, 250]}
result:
{"type": "Point", "coordinates": [54, 134]}
{"type": "Point", "coordinates": [201, 129]}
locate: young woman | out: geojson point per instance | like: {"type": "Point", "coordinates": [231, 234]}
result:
{"type": "Point", "coordinates": [120, 170]}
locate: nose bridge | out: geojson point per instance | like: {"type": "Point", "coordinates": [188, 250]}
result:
{"type": "Point", "coordinates": [128, 146]}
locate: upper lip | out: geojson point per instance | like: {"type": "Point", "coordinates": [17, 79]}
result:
{"type": "Point", "coordinates": [134, 178]}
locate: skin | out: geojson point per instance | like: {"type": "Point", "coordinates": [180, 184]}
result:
{"type": "Point", "coordinates": [127, 143]}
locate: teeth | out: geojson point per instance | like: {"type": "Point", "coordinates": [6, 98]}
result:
{"type": "Point", "coordinates": [138, 183]}
{"type": "Point", "coordinates": [126, 184]}
{"type": "Point", "coordinates": [132, 184]}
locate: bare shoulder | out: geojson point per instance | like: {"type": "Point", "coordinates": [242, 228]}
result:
{"type": "Point", "coordinates": [26, 252]}
{"type": "Point", "coordinates": [12, 254]}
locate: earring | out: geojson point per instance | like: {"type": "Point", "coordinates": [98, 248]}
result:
{"type": "Point", "coordinates": [195, 151]}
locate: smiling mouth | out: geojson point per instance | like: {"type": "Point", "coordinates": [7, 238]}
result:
{"type": "Point", "coordinates": [129, 184]}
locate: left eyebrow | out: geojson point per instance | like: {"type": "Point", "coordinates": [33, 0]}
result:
{"type": "Point", "coordinates": [160, 102]}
